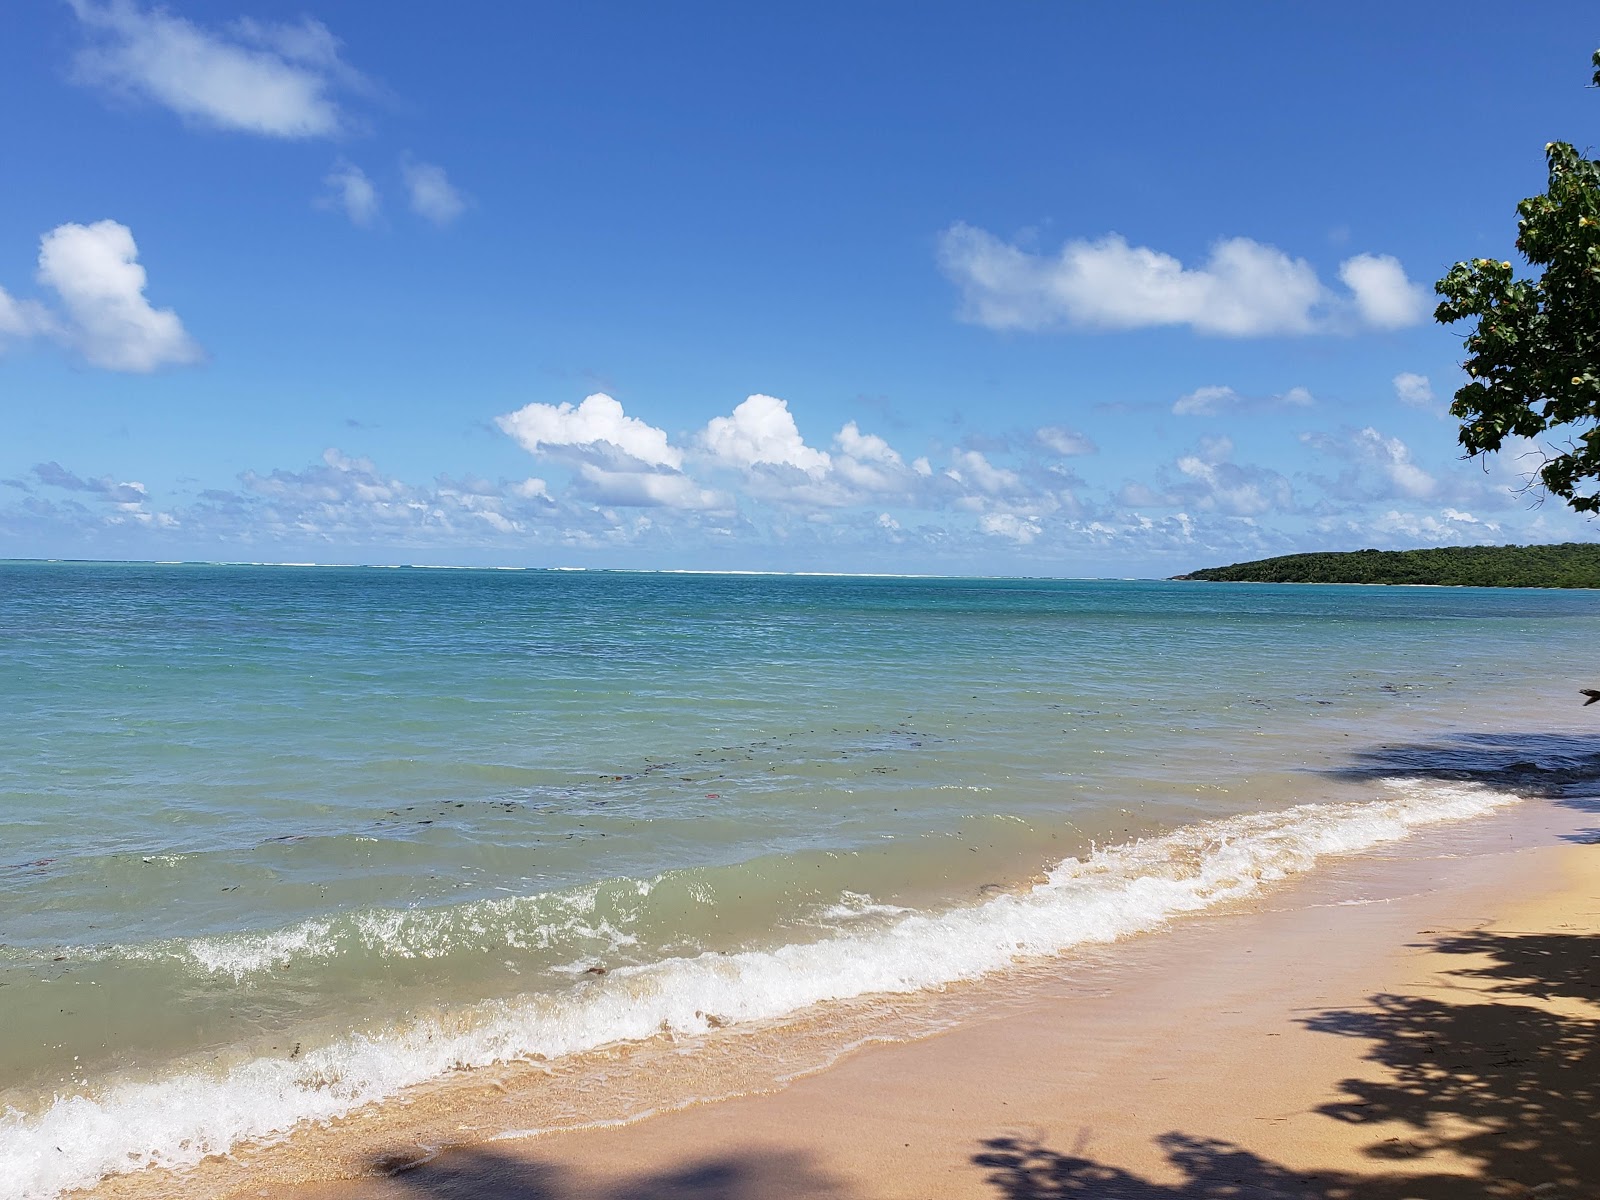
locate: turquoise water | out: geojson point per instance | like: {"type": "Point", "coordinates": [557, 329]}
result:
{"type": "Point", "coordinates": [259, 823]}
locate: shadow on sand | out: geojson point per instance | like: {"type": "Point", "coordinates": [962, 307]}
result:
{"type": "Point", "coordinates": [1508, 1092]}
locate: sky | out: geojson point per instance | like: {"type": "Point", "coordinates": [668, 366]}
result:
{"type": "Point", "coordinates": [1006, 288]}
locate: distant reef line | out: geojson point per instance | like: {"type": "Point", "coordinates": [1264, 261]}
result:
{"type": "Point", "coordinates": [1564, 565]}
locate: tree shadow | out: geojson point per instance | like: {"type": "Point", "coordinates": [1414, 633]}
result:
{"type": "Point", "coordinates": [1477, 1100]}
{"type": "Point", "coordinates": [486, 1173]}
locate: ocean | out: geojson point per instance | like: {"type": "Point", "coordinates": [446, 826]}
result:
{"type": "Point", "coordinates": [279, 844]}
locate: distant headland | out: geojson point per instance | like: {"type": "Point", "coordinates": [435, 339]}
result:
{"type": "Point", "coordinates": [1566, 565]}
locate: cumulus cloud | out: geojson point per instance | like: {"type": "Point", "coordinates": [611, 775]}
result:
{"type": "Point", "coordinates": [351, 192]}
{"type": "Point", "coordinates": [1206, 480]}
{"type": "Point", "coordinates": [1384, 297]}
{"type": "Point", "coordinates": [1449, 527]}
{"type": "Point", "coordinates": [276, 80]}
{"type": "Point", "coordinates": [95, 270]}
{"type": "Point", "coordinates": [761, 441]}
{"type": "Point", "coordinates": [1369, 452]}
{"type": "Point", "coordinates": [1243, 289]}
{"type": "Point", "coordinates": [866, 463]}
{"type": "Point", "coordinates": [761, 431]}
{"type": "Point", "coordinates": [971, 509]}
{"type": "Point", "coordinates": [645, 489]}
{"type": "Point", "coordinates": [1065, 442]}
{"type": "Point", "coordinates": [866, 447]}
{"type": "Point", "coordinates": [1394, 456]}
{"type": "Point", "coordinates": [620, 460]}
{"type": "Point", "coordinates": [1413, 389]}
{"type": "Point", "coordinates": [1214, 481]}
{"type": "Point", "coordinates": [22, 319]}
{"type": "Point", "coordinates": [432, 194]}
{"type": "Point", "coordinates": [972, 468]}
{"type": "Point", "coordinates": [1212, 400]}
{"type": "Point", "coordinates": [597, 431]}
{"type": "Point", "coordinates": [1013, 527]}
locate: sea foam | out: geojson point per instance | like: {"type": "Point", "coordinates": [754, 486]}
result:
{"type": "Point", "coordinates": [1108, 894]}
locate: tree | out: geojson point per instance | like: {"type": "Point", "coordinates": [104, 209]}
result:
{"type": "Point", "coordinates": [1534, 357]}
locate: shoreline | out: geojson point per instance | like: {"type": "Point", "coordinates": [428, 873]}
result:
{"type": "Point", "coordinates": [1092, 1066]}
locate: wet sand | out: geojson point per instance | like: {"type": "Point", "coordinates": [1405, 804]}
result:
{"type": "Point", "coordinates": [1423, 1023]}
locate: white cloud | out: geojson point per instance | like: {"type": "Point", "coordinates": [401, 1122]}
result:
{"type": "Point", "coordinates": [1212, 400]}
{"type": "Point", "coordinates": [1012, 526]}
{"type": "Point", "coordinates": [23, 319]}
{"type": "Point", "coordinates": [1244, 289]}
{"type": "Point", "coordinates": [256, 77]}
{"type": "Point", "coordinates": [352, 192]}
{"type": "Point", "coordinates": [866, 447]}
{"type": "Point", "coordinates": [1065, 442]}
{"type": "Point", "coordinates": [1384, 297]}
{"type": "Point", "coordinates": [1449, 527]}
{"type": "Point", "coordinates": [1208, 481]}
{"type": "Point", "coordinates": [1205, 402]}
{"type": "Point", "coordinates": [346, 501]}
{"type": "Point", "coordinates": [95, 270]}
{"type": "Point", "coordinates": [971, 467]}
{"type": "Point", "coordinates": [1371, 451]}
{"type": "Point", "coordinates": [761, 430]}
{"type": "Point", "coordinates": [646, 489]}
{"type": "Point", "coordinates": [432, 194]}
{"type": "Point", "coordinates": [868, 463]}
{"type": "Point", "coordinates": [597, 431]}
{"type": "Point", "coordinates": [1231, 488]}
{"type": "Point", "coordinates": [1394, 456]}
{"type": "Point", "coordinates": [1413, 389]}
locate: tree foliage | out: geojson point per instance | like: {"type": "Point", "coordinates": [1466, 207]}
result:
{"type": "Point", "coordinates": [1569, 565]}
{"type": "Point", "coordinates": [1534, 356]}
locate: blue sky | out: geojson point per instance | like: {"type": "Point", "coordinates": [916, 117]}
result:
{"type": "Point", "coordinates": [1006, 288]}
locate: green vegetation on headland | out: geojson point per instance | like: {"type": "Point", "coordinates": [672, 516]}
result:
{"type": "Point", "coordinates": [1568, 565]}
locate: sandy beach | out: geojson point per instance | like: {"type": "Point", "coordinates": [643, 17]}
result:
{"type": "Point", "coordinates": [1421, 1023]}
